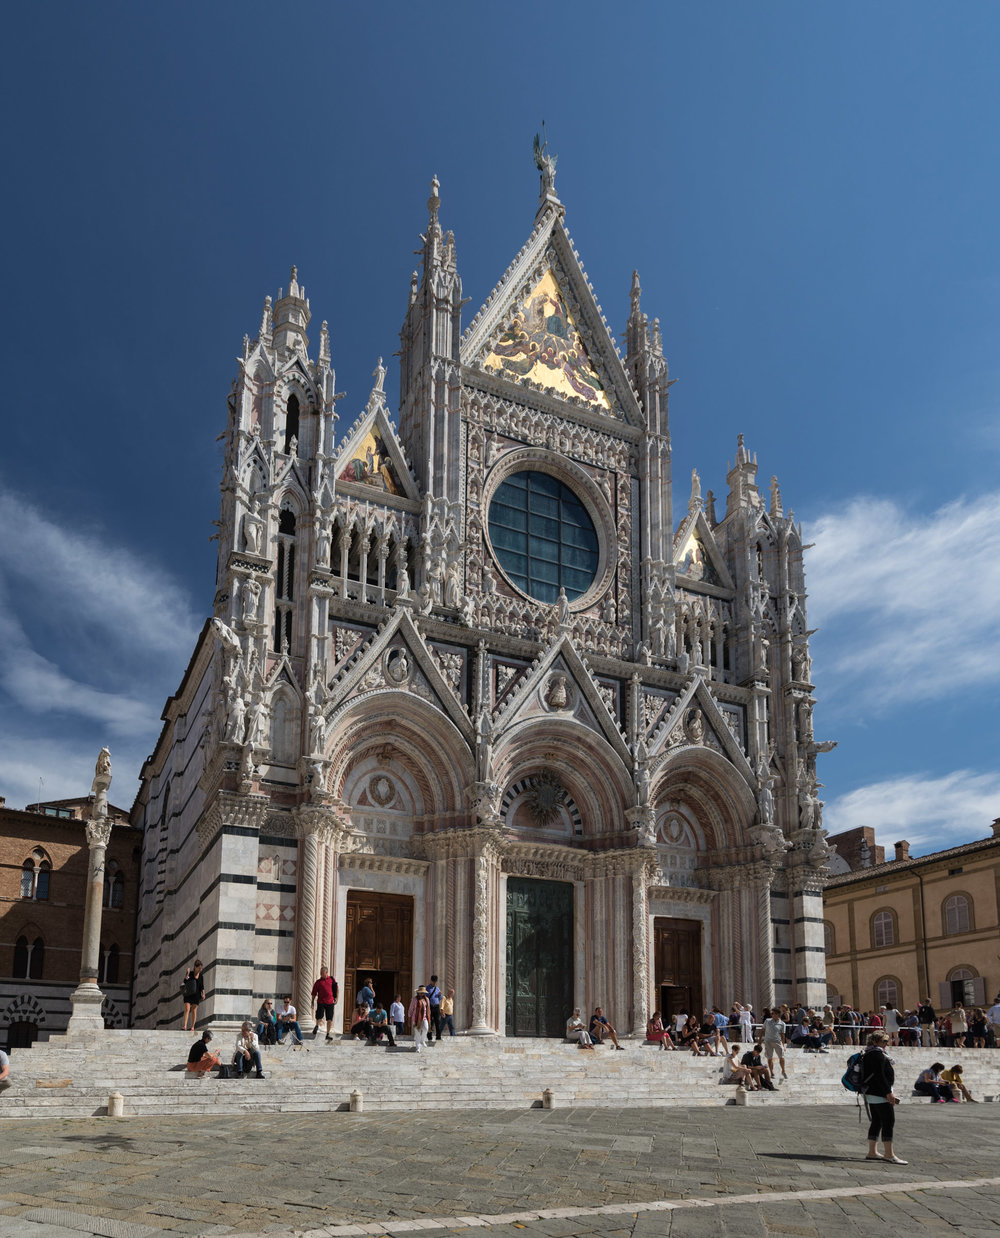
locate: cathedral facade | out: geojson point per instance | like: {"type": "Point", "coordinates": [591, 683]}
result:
{"type": "Point", "coordinates": [471, 701]}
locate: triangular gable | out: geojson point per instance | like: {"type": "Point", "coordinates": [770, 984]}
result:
{"type": "Point", "coordinates": [371, 456]}
{"type": "Point", "coordinates": [541, 324]}
{"type": "Point", "coordinates": [283, 672]}
{"type": "Point", "coordinates": [697, 557]}
{"type": "Point", "coordinates": [585, 701]}
{"type": "Point", "coordinates": [371, 670]}
{"type": "Point", "coordinates": [671, 732]}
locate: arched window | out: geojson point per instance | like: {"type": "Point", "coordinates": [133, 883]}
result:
{"type": "Point", "coordinates": [284, 593]}
{"type": "Point", "coordinates": [35, 876]}
{"type": "Point", "coordinates": [291, 424]}
{"type": "Point", "coordinates": [883, 929]}
{"type": "Point", "coordinates": [828, 938]}
{"type": "Point", "coordinates": [957, 914]}
{"type": "Point", "coordinates": [114, 885]}
{"type": "Point", "coordinates": [109, 964]}
{"type": "Point", "coordinates": [887, 992]}
{"type": "Point", "coordinates": [29, 959]}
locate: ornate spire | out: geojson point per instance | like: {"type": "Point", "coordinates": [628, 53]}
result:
{"type": "Point", "coordinates": [775, 498]}
{"type": "Point", "coordinates": [546, 165]}
{"type": "Point", "coordinates": [695, 503]}
{"type": "Point", "coordinates": [324, 343]}
{"type": "Point", "coordinates": [433, 206]}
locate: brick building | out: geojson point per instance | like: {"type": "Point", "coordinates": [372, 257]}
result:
{"type": "Point", "coordinates": [906, 928]}
{"type": "Point", "coordinates": [43, 886]}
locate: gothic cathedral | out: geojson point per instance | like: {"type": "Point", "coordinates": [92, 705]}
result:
{"type": "Point", "coordinates": [470, 703]}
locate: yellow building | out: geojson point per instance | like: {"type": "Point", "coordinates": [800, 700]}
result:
{"type": "Point", "coordinates": [905, 929]}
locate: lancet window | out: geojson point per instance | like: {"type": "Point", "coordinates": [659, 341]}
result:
{"type": "Point", "coordinates": [285, 583]}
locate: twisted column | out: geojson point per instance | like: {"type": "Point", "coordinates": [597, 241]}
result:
{"type": "Point", "coordinates": [640, 952]}
{"type": "Point", "coordinates": [484, 858]}
{"type": "Point", "coordinates": [765, 959]}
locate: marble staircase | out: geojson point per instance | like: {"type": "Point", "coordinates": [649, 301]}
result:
{"type": "Point", "coordinates": [73, 1076]}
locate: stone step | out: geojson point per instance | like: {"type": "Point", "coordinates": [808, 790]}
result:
{"type": "Point", "coordinates": [73, 1077]}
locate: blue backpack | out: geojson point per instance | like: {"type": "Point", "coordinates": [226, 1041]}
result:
{"type": "Point", "coordinates": [852, 1078]}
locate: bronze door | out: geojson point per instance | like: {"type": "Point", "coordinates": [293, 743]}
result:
{"type": "Point", "coordinates": [677, 965]}
{"type": "Point", "coordinates": [539, 956]}
{"type": "Point", "coordinates": [380, 945]}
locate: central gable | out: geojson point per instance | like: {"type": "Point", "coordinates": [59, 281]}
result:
{"type": "Point", "coordinates": [543, 343]}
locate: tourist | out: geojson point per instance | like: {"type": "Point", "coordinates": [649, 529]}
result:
{"type": "Point", "coordinates": [288, 1021]}
{"type": "Point", "coordinates": [361, 1028]}
{"type": "Point", "coordinates": [267, 1023]}
{"type": "Point", "coordinates": [977, 1029]}
{"type": "Point", "coordinates": [200, 1058]}
{"type": "Point", "coordinates": [247, 1053]}
{"type": "Point", "coordinates": [774, 1040]}
{"type": "Point", "coordinates": [929, 1083]}
{"type": "Point", "coordinates": [434, 1000]}
{"type": "Point", "coordinates": [733, 1069]}
{"type": "Point", "coordinates": [193, 992]}
{"type": "Point", "coordinates": [397, 1014]}
{"type": "Point", "coordinates": [953, 1077]}
{"type": "Point", "coordinates": [680, 1023]}
{"type": "Point", "coordinates": [709, 1040]}
{"type": "Point", "coordinates": [448, 1011]}
{"type": "Point", "coordinates": [909, 1032]}
{"type": "Point", "coordinates": [877, 1078]}
{"type": "Point", "coordinates": [600, 1029]}
{"type": "Point", "coordinates": [324, 996]}
{"type": "Point", "coordinates": [891, 1021]}
{"type": "Point", "coordinates": [378, 1025]}
{"type": "Point", "coordinates": [993, 1014]}
{"type": "Point", "coordinates": [420, 1016]}
{"type": "Point", "coordinates": [759, 1072]}
{"type": "Point", "coordinates": [959, 1026]}
{"type": "Point", "coordinates": [576, 1030]}
{"type": "Point", "coordinates": [927, 1017]}
{"type": "Point", "coordinates": [365, 996]}
{"type": "Point", "coordinates": [746, 1023]}
{"type": "Point", "coordinates": [4, 1071]}
{"type": "Point", "coordinates": [656, 1033]}
{"type": "Point", "coordinates": [689, 1035]}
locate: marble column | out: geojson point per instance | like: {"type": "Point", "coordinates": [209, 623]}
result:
{"type": "Point", "coordinates": [640, 952]}
{"type": "Point", "coordinates": [87, 997]}
{"type": "Point", "coordinates": [315, 908]}
{"type": "Point", "coordinates": [483, 866]}
{"type": "Point", "coordinates": [762, 876]}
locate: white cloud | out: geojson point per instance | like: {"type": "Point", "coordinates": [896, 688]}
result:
{"type": "Point", "coordinates": [907, 605]}
{"type": "Point", "coordinates": [930, 813]}
{"type": "Point", "coordinates": [65, 768]}
{"type": "Point", "coordinates": [106, 586]}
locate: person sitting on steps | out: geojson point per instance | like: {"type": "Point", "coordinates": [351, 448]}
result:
{"type": "Point", "coordinates": [247, 1053]}
{"type": "Point", "coordinates": [601, 1028]}
{"type": "Point", "coordinates": [733, 1069]}
{"type": "Point", "coordinates": [379, 1025]}
{"type": "Point", "coordinates": [576, 1029]}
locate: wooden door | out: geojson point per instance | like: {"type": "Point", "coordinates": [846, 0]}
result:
{"type": "Point", "coordinates": [677, 965]}
{"type": "Point", "coordinates": [380, 945]}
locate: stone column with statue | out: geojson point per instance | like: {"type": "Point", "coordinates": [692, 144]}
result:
{"type": "Point", "coordinates": [87, 998]}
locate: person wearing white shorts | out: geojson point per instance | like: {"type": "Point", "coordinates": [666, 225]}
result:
{"type": "Point", "coordinates": [774, 1040]}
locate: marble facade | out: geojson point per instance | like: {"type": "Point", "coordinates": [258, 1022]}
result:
{"type": "Point", "coordinates": [405, 691]}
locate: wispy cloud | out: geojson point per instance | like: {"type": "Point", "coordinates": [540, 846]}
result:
{"type": "Point", "coordinates": [930, 813]}
{"type": "Point", "coordinates": [907, 604]}
{"type": "Point", "coordinates": [92, 639]}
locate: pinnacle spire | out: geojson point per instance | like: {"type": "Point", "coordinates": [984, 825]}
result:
{"type": "Point", "coordinates": [695, 503]}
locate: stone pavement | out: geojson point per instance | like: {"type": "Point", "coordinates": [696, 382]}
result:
{"type": "Point", "coordinates": [793, 1172]}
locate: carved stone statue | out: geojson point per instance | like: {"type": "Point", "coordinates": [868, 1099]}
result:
{"type": "Point", "coordinates": [237, 720]}
{"type": "Point", "coordinates": [323, 543]}
{"type": "Point", "coordinates": [696, 727]}
{"type": "Point", "coordinates": [557, 696]}
{"type": "Point", "coordinates": [317, 728]}
{"type": "Point", "coordinates": [102, 781]}
{"type": "Point", "coordinates": [253, 527]}
{"type": "Point", "coordinates": [765, 796]}
{"type": "Point", "coordinates": [563, 619]}
{"type": "Point", "coordinates": [257, 735]}
{"type": "Point", "coordinates": [251, 598]}
{"type": "Point", "coordinates": [452, 587]}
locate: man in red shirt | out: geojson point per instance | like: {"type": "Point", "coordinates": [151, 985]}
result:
{"type": "Point", "coordinates": [324, 995]}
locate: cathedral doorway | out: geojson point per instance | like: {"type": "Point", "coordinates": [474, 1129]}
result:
{"type": "Point", "coordinates": [539, 956]}
{"type": "Point", "coordinates": [380, 946]}
{"type": "Point", "coordinates": [677, 965]}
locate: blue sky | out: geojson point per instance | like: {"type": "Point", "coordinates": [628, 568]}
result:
{"type": "Point", "coordinates": [809, 193]}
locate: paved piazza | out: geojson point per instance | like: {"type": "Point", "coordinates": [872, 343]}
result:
{"type": "Point", "coordinates": [683, 1172]}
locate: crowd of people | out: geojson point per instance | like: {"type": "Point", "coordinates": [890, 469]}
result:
{"type": "Point", "coordinates": [431, 1013]}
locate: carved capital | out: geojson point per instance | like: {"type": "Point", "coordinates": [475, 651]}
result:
{"type": "Point", "coordinates": [329, 826]}
{"type": "Point", "coordinates": [98, 832]}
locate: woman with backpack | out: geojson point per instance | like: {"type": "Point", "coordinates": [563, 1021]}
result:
{"type": "Point", "coordinates": [193, 992]}
{"type": "Point", "coordinates": [877, 1079]}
